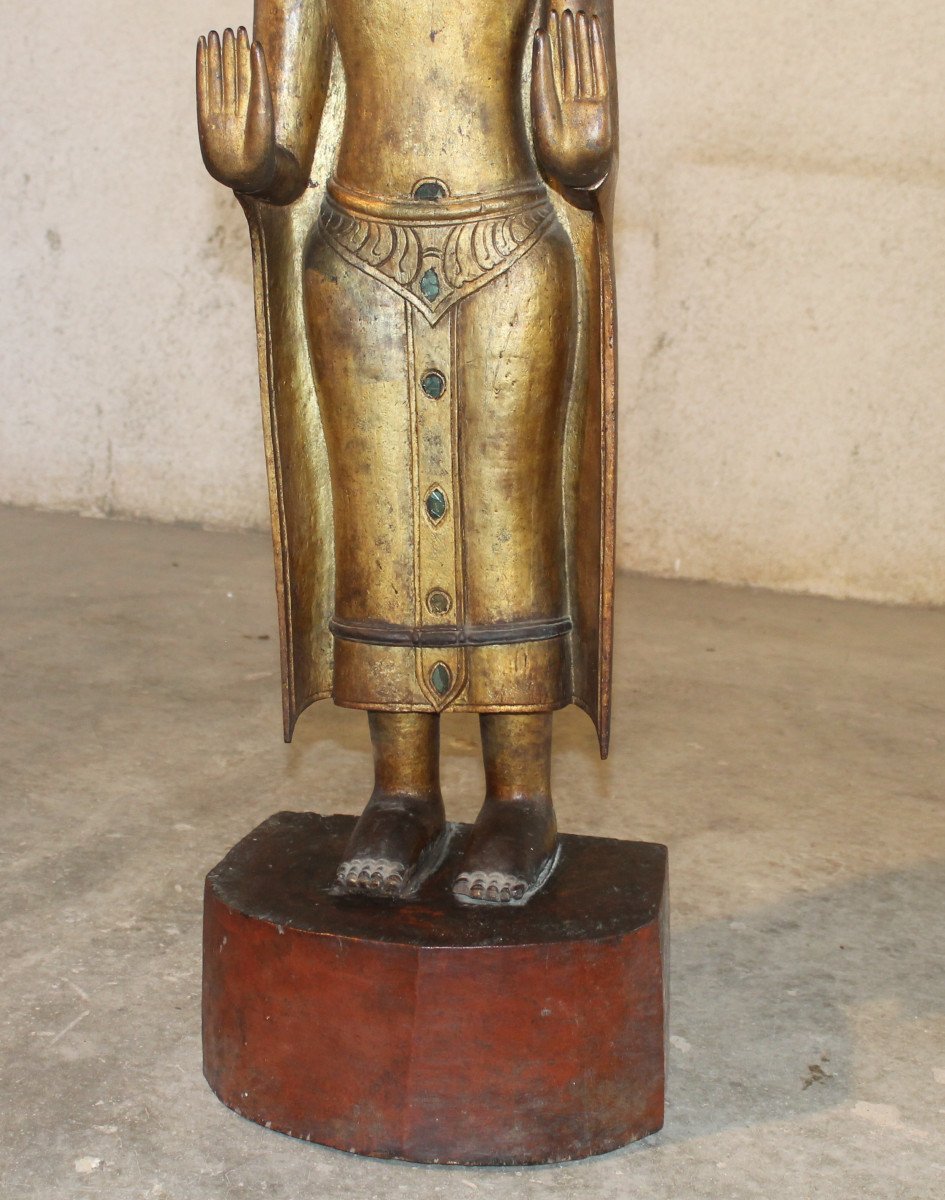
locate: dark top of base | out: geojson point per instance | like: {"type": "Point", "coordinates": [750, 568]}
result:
{"type": "Point", "coordinates": [283, 870]}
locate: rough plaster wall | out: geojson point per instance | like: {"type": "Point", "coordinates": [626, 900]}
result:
{"type": "Point", "coordinates": [782, 275]}
{"type": "Point", "coordinates": [127, 336]}
{"type": "Point", "coordinates": [781, 241]}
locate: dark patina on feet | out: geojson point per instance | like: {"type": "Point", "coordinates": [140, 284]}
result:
{"type": "Point", "coordinates": [512, 852]}
{"type": "Point", "coordinates": [396, 845]}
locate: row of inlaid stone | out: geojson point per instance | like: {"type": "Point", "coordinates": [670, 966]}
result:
{"type": "Point", "coordinates": [439, 601]}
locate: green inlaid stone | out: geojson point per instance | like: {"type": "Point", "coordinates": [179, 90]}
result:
{"type": "Point", "coordinates": [436, 505]}
{"type": "Point", "coordinates": [439, 602]}
{"type": "Point", "coordinates": [430, 284]}
{"type": "Point", "coordinates": [441, 677]}
{"type": "Point", "coordinates": [433, 384]}
{"type": "Point", "coordinates": [430, 189]}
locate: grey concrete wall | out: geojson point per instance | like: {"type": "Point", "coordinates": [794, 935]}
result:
{"type": "Point", "coordinates": [781, 242]}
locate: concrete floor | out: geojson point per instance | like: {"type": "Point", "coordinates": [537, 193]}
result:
{"type": "Point", "coordinates": [789, 750]}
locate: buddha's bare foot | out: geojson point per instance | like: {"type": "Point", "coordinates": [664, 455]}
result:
{"type": "Point", "coordinates": [511, 853]}
{"type": "Point", "coordinates": [396, 842]}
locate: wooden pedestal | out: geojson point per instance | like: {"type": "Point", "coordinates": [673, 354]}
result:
{"type": "Point", "coordinates": [433, 1031]}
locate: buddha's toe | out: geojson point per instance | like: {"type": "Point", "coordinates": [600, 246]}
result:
{"type": "Point", "coordinates": [371, 875]}
{"type": "Point", "coordinates": [395, 842]}
{"type": "Point", "coordinates": [489, 887]}
{"type": "Point", "coordinates": [511, 852]}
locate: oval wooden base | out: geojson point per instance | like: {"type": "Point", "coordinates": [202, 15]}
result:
{"type": "Point", "coordinates": [433, 1031]}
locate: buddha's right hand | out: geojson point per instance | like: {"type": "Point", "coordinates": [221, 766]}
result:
{"type": "Point", "coordinates": [234, 112]}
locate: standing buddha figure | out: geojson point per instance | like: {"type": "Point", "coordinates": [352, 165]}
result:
{"type": "Point", "coordinates": [429, 186]}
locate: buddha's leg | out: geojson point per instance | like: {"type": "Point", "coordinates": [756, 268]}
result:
{"type": "Point", "coordinates": [515, 833]}
{"type": "Point", "coordinates": [405, 815]}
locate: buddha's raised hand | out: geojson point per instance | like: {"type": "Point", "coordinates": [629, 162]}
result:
{"type": "Point", "coordinates": [571, 104]}
{"type": "Point", "coordinates": [234, 111]}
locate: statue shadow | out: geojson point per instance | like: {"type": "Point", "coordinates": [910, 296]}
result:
{"type": "Point", "coordinates": [763, 1006]}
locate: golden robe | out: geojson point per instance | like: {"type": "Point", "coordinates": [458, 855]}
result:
{"type": "Point", "coordinates": [441, 470]}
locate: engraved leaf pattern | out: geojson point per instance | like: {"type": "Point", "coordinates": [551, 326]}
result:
{"type": "Point", "coordinates": [473, 248]}
{"type": "Point", "coordinates": [393, 249]}
{"type": "Point", "coordinates": [467, 250]}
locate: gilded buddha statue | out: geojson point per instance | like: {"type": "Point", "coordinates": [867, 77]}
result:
{"type": "Point", "coordinates": [428, 185]}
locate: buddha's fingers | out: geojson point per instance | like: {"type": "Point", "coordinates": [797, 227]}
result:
{"type": "Point", "coordinates": [243, 70]}
{"type": "Point", "coordinates": [259, 121]}
{"type": "Point", "coordinates": [569, 73]}
{"type": "Point", "coordinates": [229, 72]}
{"type": "Point", "coordinates": [215, 72]}
{"type": "Point", "coordinates": [585, 83]}
{"type": "Point", "coordinates": [554, 44]}
{"type": "Point", "coordinates": [601, 72]}
{"type": "Point", "coordinates": [543, 77]}
{"type": "Point", "coordinates": [203, 82]}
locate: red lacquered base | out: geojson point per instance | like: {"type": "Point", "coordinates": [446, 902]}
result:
{"type": "Point", "coordinates": [433, 1031]}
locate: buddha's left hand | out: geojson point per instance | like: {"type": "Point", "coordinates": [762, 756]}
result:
{"type": "Point", "coordinates": [571, 101]}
